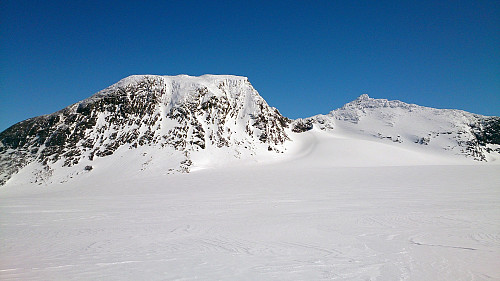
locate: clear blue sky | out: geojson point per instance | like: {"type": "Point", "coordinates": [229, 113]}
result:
{"type": "Point", "coordinates": [304, 57]}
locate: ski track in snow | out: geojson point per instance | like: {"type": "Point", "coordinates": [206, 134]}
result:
{"type": "Point", "coordinates": [381, 216]}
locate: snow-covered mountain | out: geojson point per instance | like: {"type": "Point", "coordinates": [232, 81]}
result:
{"type": "Point", "coordinates": [450, 131]}
{"type": "Point", "coordinates": [169, 121]}
{"type": "Point", "coordinates": [169, 124]}
{"type": "Point", "coordinates": [375, 190]}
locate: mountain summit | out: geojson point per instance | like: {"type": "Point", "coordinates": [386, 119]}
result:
{"type": "Point", "coordinates": [175, 124]}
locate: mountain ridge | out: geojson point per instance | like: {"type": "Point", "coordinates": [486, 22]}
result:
{"type": "Point", "coordinates": [467, 133]}
{"type": "Point", "coordinates": [209, 119]}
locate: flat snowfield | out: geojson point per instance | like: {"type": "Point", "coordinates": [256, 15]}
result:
{"type": "Point", "coordinates": [300, 219]}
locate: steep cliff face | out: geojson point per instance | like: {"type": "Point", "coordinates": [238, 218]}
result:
{"type": "Point", "coordinates": [181, 114]}
{"type": "Point", "coordinates": [458, 132]}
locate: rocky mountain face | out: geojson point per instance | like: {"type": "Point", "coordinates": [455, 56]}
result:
{"type": "Point", "coordinates": [459, 132]}
{"type": "Point", "coordinates": [181, 114]}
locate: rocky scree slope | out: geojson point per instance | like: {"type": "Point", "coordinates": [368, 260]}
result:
{"type": "Point", "coordinates": [182, 114]}
{"type": "Point", "coordinates": [456, 131]}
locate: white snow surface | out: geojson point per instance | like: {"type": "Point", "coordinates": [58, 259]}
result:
{"type": "Point", "coordinates": [440, 131]}
{"type": "Point", "coordinates": [339, 205]}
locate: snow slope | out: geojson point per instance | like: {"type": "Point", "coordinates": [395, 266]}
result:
{"type": "Point", "coordinates": [376, 190]}
{"type": "Point", "coordinates": [386, 213]}
{"type": "Point", "coordinates": [449, 131]}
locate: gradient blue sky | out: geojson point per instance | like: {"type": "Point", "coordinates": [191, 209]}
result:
{"type": "Point", "coordinates": [304, 57]}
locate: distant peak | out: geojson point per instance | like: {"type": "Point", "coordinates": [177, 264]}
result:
{"type": "Point", "coordinates": [363, 97]}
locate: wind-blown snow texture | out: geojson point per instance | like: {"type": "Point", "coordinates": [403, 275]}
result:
{"type": "Point", "coordinates": [375, 190]}
{"type": "Point", "coordinates": [375, 215]}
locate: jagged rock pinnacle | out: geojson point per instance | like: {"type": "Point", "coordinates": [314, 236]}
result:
{"type": "Point", "coordinates": [363, 97]}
